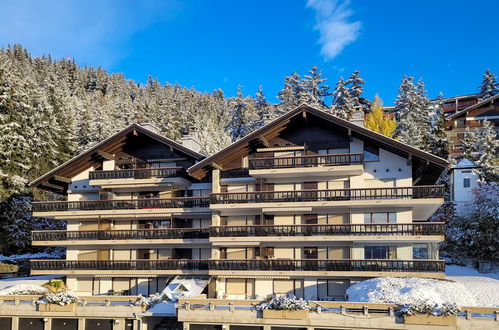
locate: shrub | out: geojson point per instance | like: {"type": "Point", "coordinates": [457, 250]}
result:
{"type": "Point", "coordinates": [288, 304]}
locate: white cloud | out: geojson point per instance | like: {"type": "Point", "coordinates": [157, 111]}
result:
{"type": "Point", "coordinates": [92, 32]}
{"type": "Point", "coordinates": [334, 25]}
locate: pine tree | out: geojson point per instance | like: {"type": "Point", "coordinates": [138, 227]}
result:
{"type": "Point", "coordinates": [480, 145]}
{"type": "Point", "coordinates": [342, 105]}
{"type": "Point", "coordinates": [435, 141]}
{"type": "Point", "coordinates": [356, 89]}
{"type": "Point", "coordinates": [489, 86]}
{"type": "Point", "coordinates": [412, 108]}
{"type": "Point", "coordinates": [377, 121]}
{"type": "Point", "coordinates": [241, 116]}
{"type": "Point", "coordinates": [487, 150]}
{"type": "Point", "coordinates": [315, 88]}
{"type": "Point", "coordinates": [263, 110]}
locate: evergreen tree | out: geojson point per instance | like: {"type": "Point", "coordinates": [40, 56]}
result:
{"type": "Point", "coordinates": [342, 105]}
{"type": "Point", "coordinates": [489, 86]}
{"type": "Point", "coordinates": [480, 146]}
{"type": "Point", "coordinates": [316, 90]}
{"type": "Point", "coordinates": [412, 108]}
{"type": "Point", "coordinates": [242, 115]}
{"type": "Point", "coordinates": [263, 110]}
{"type": "Point", "coordinates": [487, 151]}
{"type": "Point", "coordinates": [355, 90]}
{"type": "Point", "coordinates": [473, 235]}
{"type": "Point", "coordinates": [436, 142]}
{"type": "Point", "coordinates": [377, 121]}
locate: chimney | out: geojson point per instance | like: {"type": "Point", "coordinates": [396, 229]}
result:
{"type": "Point", "coordinates": [150, 127]}
{"type": "Point", "coordinates": [190, 139]}
{"type": "Point", "coordinates": [358, 118]}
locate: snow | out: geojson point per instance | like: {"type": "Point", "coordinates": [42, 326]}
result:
{"type": "Point", "coordinates": [11, 285]}
{"type": "Point", "coordinates": [411, 290]}
{"type": "Point", "coordinates": [463, 286]}
{"type": "Point", "coordinates": [39, 255]}
{"type": "Point", "coordinates": [484, 287]}
{"type": "Point", "coordinates": [23, 289]}
{"type": "Point", "coordinates": [465, 163]}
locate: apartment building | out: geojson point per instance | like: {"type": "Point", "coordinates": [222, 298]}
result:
{"type": "Point", "coordinates": [134, 216]}
{"type": "Point", "coordinates": [304, 206]}
{"type": "Point", "coordinates": [471, 117]}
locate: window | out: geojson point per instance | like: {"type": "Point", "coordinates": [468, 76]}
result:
{"type": "Point", "coordinates": [310, 253]}
{"type": "Point", "coordinates": [380, 252]}
{"type": "Point", "coordinates": [420, 251]}
{"type": "Point", "coordinates": [371, 153]}
{"type": "Point", "coordinates": [466, 182]}
{"type": "Point", "coordinates": [380, 217]}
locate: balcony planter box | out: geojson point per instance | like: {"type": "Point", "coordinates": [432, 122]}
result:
{"type": "Point", "coordinates": [450, 320]}
{"type": "Point", "coordinates": [285, 314]}
{"type": "Point", "coordinates": [56, 308]}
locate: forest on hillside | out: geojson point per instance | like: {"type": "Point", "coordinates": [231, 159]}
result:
{"type": "Point", "coordinates": [50, 110]}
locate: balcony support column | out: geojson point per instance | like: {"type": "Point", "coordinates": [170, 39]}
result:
{"type": "Point", "coordinates": [215, 174]}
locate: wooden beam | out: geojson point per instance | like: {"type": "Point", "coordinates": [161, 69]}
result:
{"type": "Point", "coordinates": [61, 178]}
{"type": "Point", "coordinates": [215, 165]}
{"type": "Point", "coordinates": [52, 186]}
{"type": "Point", "coordinates": [350, 135]}
{"type": "Point", "coordinates": [104, 154]}
{"type": "Point", "coordinates": [409, 159]}
{"type": "Point", "coordinates": [264, 141]}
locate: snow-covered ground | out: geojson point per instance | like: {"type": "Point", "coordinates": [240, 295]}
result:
{"type": "Point", "coordinates": [484, 287]}
{"type": "Point", "coordinates": [464, 286]}
{"type": "Point", "coordinates": [10, 285]}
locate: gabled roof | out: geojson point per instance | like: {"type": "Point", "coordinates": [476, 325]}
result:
{"type": "Point", "coordinates": [474, 106]}
{"type": "Point", "coordinates": [424, 158]}
{"type": "Point", "coordinates": [58, 177]}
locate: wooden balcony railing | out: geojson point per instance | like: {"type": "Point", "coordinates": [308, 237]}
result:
{"type": "Point", "coordinates": [235, 173]}
{"type": "Point", "coordinates": [140, 173]}
{"type": "Point", "coordinates": [416, 192]}
{"type": "Point", "coordinates": [120, 234]}
{"type": "Point", "coordinates": [144, 264]}
{"type": "Point", "coordinates": [430, 228]}
{"type": "Point", "coordinates": [345, 265]}
{"type": "Point", "coordinates": [306, 161]}
{"type": "Point", "coordinates": [147, 203]}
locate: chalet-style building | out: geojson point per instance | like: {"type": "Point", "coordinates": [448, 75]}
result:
{"type": "Point", "coordinates": [131, 207]}
{"type": "Point", "coordinates": [304, 206]}
{"type": "Point", "coordinates": [471, 117]}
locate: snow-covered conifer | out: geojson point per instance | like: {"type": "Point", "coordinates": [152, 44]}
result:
{"type": "Point", "coordinates": [489, 86]}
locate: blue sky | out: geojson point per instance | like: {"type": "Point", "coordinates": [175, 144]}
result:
{"type": "Point", "coordinates": [222, 44]}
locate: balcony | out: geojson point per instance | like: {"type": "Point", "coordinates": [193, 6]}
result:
{"type": "Point", "coordinates": [334, 231]}
{"type": "Point", "coordinates": [119, 236]}
{"type": "Point", "coordinates": [345, 266]}
{"type": "Point", "coordinates": [136, 178]}
{"type": "Point", "coordinates": [303, 166]}
{"type": "Point", "coordinates": [115, 207]}
{"type": "Point", "coordinates": [140, 173]}
{"type": "Point", "coordinates": [424, 200]}
{"type": "Point", "coordinates": [122, 267]}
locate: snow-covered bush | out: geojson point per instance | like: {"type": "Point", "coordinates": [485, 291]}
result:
{"type": "Point", "coordinates": [473, 235]}
{"type": "Point", "coordinates": [150, 301]}
{"type": "Point", "coordinates": [421, 307]}
{"type": "Point", "coordinates": [60, 298]}
{"type": "Point", "coordinates": [285, 303]}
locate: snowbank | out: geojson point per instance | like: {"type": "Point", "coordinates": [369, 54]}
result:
{"type": "Point", "coordinates": [406, 291]}
{"type": "Point", "coordinates": [24, 289]}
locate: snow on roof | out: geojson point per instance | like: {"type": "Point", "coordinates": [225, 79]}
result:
{"type": "Point", "coordinates": [465, 163]}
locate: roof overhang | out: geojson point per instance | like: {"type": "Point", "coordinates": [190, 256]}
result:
{"type": "Point", "coordinates": [424, 161]}
{"type": "Point", "coordinates": [57, 180]}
